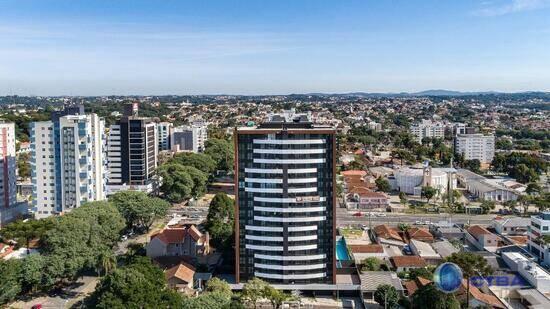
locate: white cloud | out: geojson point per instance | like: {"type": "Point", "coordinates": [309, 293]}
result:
{"type": "Point", "coordinates": [511, 6]}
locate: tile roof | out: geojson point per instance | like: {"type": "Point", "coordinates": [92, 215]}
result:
{"type": "Point", "coordinates": [367, 248]}
{"type": "Point", "coordinates": [419, 233]}
{"type": "Point", "coordinates": [408, 261]}
{"type": "Point", "coordinates": [412, 285]}
{"type": "Point", "coordinates": [195, 233]}
{"type": "Point", "coordinates": [370, 280]}
{"type": "Point", "coordinates": [354, 173]}
{"type": "Point", "coordinates": [387, 232]}
{"type": "Point", "coordinates": [480, 296]}
{"type": "Point", "coordinates": [477, 230]}
{"type": "Point", "coordinates": [182, 271]}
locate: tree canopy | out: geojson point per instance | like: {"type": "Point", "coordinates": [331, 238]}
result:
{"type": "Point", "coordinates": [138, 209]}
{"type": "Point", "coordinates": [386, 296]}
{"type": "Point", "coordinates": [220, 220]}
{"type": "Point", "coordinates": [221, 151]}
{"type": "Point", "coordinates": [139, 284]}
{"type": "Point", "coordinates": [430, 297]}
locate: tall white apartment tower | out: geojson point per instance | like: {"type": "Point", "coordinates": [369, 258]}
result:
{"type": "Point", "coordinates": [189, 138]}
{"type": "Point", "coordinates": [7, 172]}
{"type": "Point", "coordinates": [476, 146]}
{"type": "Point", "coordinates": [67, 163]}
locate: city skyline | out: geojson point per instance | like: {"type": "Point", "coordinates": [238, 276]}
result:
{"type": "Point", "coordinates": [248, 48]}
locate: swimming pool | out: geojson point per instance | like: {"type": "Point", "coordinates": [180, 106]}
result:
{"type": "Point", "coordinates": [342, 253]}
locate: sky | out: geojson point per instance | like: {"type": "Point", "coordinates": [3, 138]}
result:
{"type": "Point", "coordinates": [125, 47]}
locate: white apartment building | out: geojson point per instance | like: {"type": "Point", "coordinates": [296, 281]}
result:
{"type": "Point", "coordinates": [476, 146]}
{"type": "Point", "coordinates": [164, 131]}
{"type": "Point", "coordinates": [540, 226]}
{"type": "Point", "coordinates": [189, 138]}
{"type": "Point", "coordinates": [428, 128]}
{"type": "Point", "coordinates": [8, 201]}
{"type": "Point", "coordinates": [72, 173]}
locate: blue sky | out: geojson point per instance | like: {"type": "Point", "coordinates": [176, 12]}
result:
{"type": "Point", "coordinates": [272, 47]}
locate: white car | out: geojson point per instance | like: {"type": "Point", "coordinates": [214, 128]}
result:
{"type": "Point", "coordinates": [417, 222]}
{"type": "Point", "coordinates": [381, 214]}
{"type": "Point", "coordinates": [428, 222]}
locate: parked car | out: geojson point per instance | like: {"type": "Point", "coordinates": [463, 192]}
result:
{"type": "Point", "coordinates": [357, 214]}
{"type": "Point", "coordinates": [381, 214]}
{"type": "Point", "coordinates": [418, 222]}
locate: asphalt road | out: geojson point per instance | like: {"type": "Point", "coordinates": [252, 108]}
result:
{"type": "Point", "coordinates": [346, 218]}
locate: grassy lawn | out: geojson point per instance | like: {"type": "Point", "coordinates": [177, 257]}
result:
{"type": "Point", "coordinates": [351, 232]}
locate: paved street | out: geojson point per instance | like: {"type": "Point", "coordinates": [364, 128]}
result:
{"type": "Point", "coordinates": [346, 218]}
{"type": "Point", "coordinates": [66, 299]}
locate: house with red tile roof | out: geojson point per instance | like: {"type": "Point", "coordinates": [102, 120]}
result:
{"type": "Point", "coordinates": [180, 276]}
{"type": "Point", "coordinates": [420, 234]}
{"type": "Point", "coordinates": [179, 241]}
{"type": "Point", "coordinates": [478, 299]}
{"type": "Point", "coordinates": [482, 238]}
{"type": "Point", "coordinates": [407, 262]}
{"type": "Point", "coordinates": [388, 235]}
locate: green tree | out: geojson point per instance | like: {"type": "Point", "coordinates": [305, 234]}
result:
{"type": "Point", "coordinates": [10, 285]}
{"type": "Point", "coordinates": [533, 188]}
{"type": "Point", "coordinates": [31, 272]}
{"type": "Point", "coordinates": [209, 300]}
{"type": "Point", "coordinates": [370, 264]}
{"type": "Point", "coordinates": [487, 206]}
{"type": "Point", "coordinates": [199, 161]}
{"type": "Point", "coordinates": [137, 285]}
{"type": "Point", "coordinates": [23, 232]}
{"type": "Point", "coordinates": [383, 184]}
{"type": "Point", "coordinates": [253, 290]}
{"type": "Point", "coordinates": [428, 193]}
{"type": "Point", "coordinates": [220, 220]}
{"type": "Point", "coordinates": [221, 151]}
{"type": "Point", "coordinates": [106, 262]}
{"type": "Point", "coordinates": [524, 174]}
{"type": "Point", "coordinates": [430, 297]}
{"type": "Point", "coordinates": [473, 165]}
{"type": "Point", "coordinates": [218, 285]}
{"type": "Point", "coordinates": [177, 184]}
{"type": "Point", "coordinates": [24, 165]}
{"type": "Point", "coordinates": [426, 273]}
{"type": "Point", "coordinates": [471, 265]}
{"type": "Point", "coordinates": [386, 296]}
{"type": "Point", "coordinates": [77, 238]}
{"type": "Point", "coordinates": [276, 297]}
{"type": "Point", "coordinates": [138, 209]}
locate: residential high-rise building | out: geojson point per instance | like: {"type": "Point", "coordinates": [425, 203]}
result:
{"type": "Point", "coordinates": [8, 199]}
{"type": "Point", "coordinates": [132, 153]}
{"type": "Point", "coordinates": [164, 130]}
{"type": "Point", "coordinates": [476, 146]}
{"type": "Point", "coordinates": [67, 162]}
{"type": "Point", "coordinates": [285, 201]}
{"type": "Point", "coordinates": [428, 128]}
{"type": "Point", "coordinates": [190, 138]}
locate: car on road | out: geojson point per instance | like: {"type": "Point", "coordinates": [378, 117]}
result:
{"type": "Point", "coordinates": [428, 222]}
{"type": "Point", "coordinates": [418, 222]}
{"type": "Point", "coordinates": [37, 306]}
{"type": "Point", "coordinates": [357, 214]}
{"type": "Point", "coordinates": [380, 214]}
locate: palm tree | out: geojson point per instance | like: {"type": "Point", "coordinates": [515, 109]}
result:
{"type": "Point", "coordinates": [106, 262]}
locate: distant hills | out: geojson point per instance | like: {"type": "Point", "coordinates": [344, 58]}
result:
{"type": "Point", "coordinates": [429, 93]}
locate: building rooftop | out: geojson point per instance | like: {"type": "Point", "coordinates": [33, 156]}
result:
{"type": "Point", "coordinates": [370, 280]}
{"type": "Point", "coordinates": [408, 261]}
{"type": "Point", "coordinates": [444, 248]}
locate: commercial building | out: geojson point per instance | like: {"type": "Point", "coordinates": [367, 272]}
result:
{"type": "Point", "coordinates": [484, 188]}
{"type": "Point", "coordinates": [189, 138]}
{"type": "Point", "coordinates": [285, 201]}
{"type": "Point", "coordinates": [539, 227]}
{"type": "Point", "coordinates": [164, 131]}
{"type": "Point", "coordinates": [67, 161]}
{"type": "Point", "coordinates": [9, 208]}
{"type": "Point", "coordinates": [132, 153]}
{"type": "Point", "coordinates": [476, 147]}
